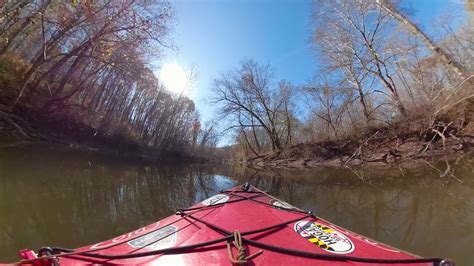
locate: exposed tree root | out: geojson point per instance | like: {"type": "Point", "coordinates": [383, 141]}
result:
{"type": "Point", "coordinates": [16, 125]}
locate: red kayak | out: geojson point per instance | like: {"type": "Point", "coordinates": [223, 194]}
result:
{"type": "Point", "coordinates": [242, 225]}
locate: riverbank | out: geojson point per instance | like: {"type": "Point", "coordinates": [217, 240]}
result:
{"type": "Point", "coordinates": [25, 127]}
{"type": "Point", "coordinates": [380, 152]}
{"type": "Point", "coordinates": [402, 144]}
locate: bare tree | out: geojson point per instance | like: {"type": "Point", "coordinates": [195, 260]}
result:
{"type": "Point", "coordinates": [390, 8]}
{"type": "Point", "coordinates": [249, 98]}
{"type": "Point", "coordinates": [353, 35]}
{"type": "Point", "coordinates": [331, 105]}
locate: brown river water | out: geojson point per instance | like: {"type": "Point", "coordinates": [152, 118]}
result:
{"type": "Point", "coordinates": [55, 197]}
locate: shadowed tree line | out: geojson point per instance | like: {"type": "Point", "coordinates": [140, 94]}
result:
{"type": "Point", "coordinates": [81, 69]}
{"type": "Point", "coordinates": [378, 71]}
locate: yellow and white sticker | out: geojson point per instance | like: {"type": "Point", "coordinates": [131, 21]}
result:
{"type": "Point", "coordinates": [324, 237]}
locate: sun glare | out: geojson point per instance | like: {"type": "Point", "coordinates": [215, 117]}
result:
{"type": "Point", "coordinates": [175, 78]}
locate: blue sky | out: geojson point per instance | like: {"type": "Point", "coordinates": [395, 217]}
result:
{"type": "Point", "coordinates": [216, 35]}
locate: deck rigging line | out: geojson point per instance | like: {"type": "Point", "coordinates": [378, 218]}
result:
{"type": "Point", "coordinates": [242, 257]}
{"type": "Point", "coordinates": [235, 237]}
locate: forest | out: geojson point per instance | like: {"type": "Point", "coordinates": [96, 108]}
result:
{"type": "Point", "coordinates": [383, 80]}
{"type": "Point", "coordinates": [80, 72]}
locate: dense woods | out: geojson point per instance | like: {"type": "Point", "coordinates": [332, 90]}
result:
{"type": "Point", "coordinates": [81, 69]}
{"type": "Point", "coordinates": [379, 72]}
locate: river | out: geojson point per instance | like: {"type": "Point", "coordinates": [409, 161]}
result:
{"type": "Point", "coordinates": [52, 196]}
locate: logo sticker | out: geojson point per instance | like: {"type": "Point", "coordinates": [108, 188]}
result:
{"type": "Point", "coordinates": [219, 198]}
{"type": "Point", "coordinates": [324, 237]}
{"type": "Point", "coordinates": [162, 238]}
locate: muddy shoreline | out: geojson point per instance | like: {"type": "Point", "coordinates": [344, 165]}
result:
{"type": "Point", "coordinates": [375, 153]}
{"type": "Point", "coordinates": [30, 128]}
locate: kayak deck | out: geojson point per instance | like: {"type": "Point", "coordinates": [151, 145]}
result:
{"type": "Point", "coordinates": [240, 225]}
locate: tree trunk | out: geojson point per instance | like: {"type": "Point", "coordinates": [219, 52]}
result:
{"type": "Point", "coordinates": [248, 143]}
{"type": "Point", "coordinates": [275, 140]}
{"type": "Point", "coordinates": [39, 60]}
{"type": "Point", "coordinates": [259, 149]}
{"type": "Point", "coordinates": [385, 79]}
{"type": "Point", "coordinates": [13, 35]}
{"type": "Point", "coordinates": [362, 99]}
{"type": "Point", "coordinates": [454, 65]}
{"type": "Point", "coordinates": [288, 126]}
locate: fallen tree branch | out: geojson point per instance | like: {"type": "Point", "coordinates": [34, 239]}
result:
{"type": "Point", "coordinates": [359, 150]}
{"type": "Point", "coordinates": [14, 122]}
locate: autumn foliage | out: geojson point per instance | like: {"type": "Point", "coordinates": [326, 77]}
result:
{"type": "Point", "coordinates": [81, 70]}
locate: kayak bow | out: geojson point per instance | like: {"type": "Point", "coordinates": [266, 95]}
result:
{"type": "Point", "coordinates": [237, 226]}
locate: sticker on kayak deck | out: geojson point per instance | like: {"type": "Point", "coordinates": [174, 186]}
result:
{"type": "Point", "coordinates": [282, 205]}
{"type": "Point", "coordinates": [219, 198]}
{"type": "Point", "coordinates": [162, 238]}
{"type": "Point", "coordinates": [324, 237]}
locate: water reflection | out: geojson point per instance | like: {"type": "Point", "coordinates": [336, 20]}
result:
{"type": "Point", "coordinates": [419, 211]}
{"type": "Point", "coordinates": [69, 198]}
{"type": "Point", "coordinates": [59, 198]}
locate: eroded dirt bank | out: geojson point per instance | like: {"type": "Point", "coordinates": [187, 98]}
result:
{"type": "Point", "coordinates": [380, 148]}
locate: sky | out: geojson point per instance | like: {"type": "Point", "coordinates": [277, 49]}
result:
{"type": "Point", "coordinates": [214, 36]}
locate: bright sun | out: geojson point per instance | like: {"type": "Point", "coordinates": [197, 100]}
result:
{"type": "Point", "coordinates": [175, 78]}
